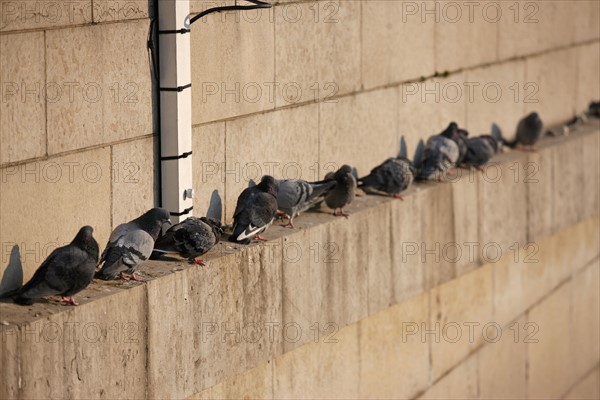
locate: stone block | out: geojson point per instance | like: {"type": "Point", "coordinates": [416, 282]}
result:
{"type": "Point", "coordinates": [455, 23]}
{"type": "Point", "coordinates": [548, 351]}
{"type": "Point", "coordinates": [334, 364]}
{"type": "Point", "coordinates": [585, 318]}
{"type": "Point", "coordinates": [387, 54]}
{"type": "Point", "coordinates": [502, 363]}
{"type": "Point", "coordinates": [133, 176]}
{"type": "Point", "coordinates": [394, 359]}
{"type": "Point", "coordinates": [460, 310]}
{"type": "Point", "coordinates": [233, 65]}
{"type": "Point", "coordinates": [460, 383]}
{"type": "Point", "coordinates": [23, 15]}
{"type": "Point", "coordinates": [317, 52]}
{"type": "Point", "coordinates": [23, 106]}
{"type": "Point", "coordinates": [106, 96]}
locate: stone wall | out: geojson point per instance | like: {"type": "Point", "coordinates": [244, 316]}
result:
{"type": "Point", "coordinates": [297, 90]}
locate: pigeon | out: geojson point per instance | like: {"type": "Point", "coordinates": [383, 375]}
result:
{"type": "Point", "coordinates": [295, 196]}
{"type": "Point", "coordinates": [255, 211]}
{"type": "Point", "coordinates": [441, 153]}
{"type": "Point", "coordinates": [190, 238]}
{"type": "Point", "coordinates": [392, 177]}
{"type": "Point", "coordinates": [131, 244]}
{"type": "Point", "coordinates": [529, 131]}
{"type": "Point", "coordinates": [594, 109]}
{"type": "Point", "coordinates": [479, 151]}
{"type": "Point", "coordinates": [67, 271]}
{"type": "Point", "coordinates": [343, 192]}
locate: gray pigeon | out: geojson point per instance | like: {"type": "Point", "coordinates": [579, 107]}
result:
{"type": "Point", "coordinates": [392, 177]}
{"type": "Point", "coordinates": [296, 195]}
{"type": "Point", "coordinates": [190, 238]}
{"type": "Point", "coordinates": [131, 244]}
{"type": "Point", "coordinates": [441, 153]}
{"type": "Point", "coordinates": [529, 131]}
{"type": "Point", "coordinates": [479, 151]}
{"type": "Point", "coordinates": [255, 211]}
{"type": "Point", "coordinates": [343, 192]}
{"type": "Point", "coordinates": [67, 271]}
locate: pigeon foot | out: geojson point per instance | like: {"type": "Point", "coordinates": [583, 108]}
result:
{"type": "Point", "coordinates": [132, 277]}
{"type": "Point", "coordinates": [259, 238]}
{"type": "Point", "coordinates": [70, 300]}
{"type": "Point", "coordinates": [398, 196]}
{"type": "Point", "coordinates": [289, 225]}
{"type": "Point", "coordinates": [199, 262]}
{"type": "Point", "coordinates": [340, 213]}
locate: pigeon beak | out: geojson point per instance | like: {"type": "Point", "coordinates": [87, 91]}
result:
{"type": "Point", "coordinates": [169, 222]}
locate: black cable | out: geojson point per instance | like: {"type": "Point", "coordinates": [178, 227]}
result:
{"type": "Point", "coordinates": [256, 5]}
{"type": "Point", "coordinates": [181, 214]}
{"type": "Point", "coordinates": [152, 49]}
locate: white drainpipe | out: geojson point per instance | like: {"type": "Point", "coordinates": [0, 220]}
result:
{"type": "Point", "coordinates": [175, 108]}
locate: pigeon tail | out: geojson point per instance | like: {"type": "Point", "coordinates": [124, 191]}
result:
{"type": "Point", "coordinates": [510, 143]}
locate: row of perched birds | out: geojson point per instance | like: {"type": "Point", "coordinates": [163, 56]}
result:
{"type": "Point", "coordinates": [71, 268]}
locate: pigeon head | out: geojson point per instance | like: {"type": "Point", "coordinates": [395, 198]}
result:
{"type": "Point", "coordinates": [451, 131]}
{"type": "Point", "coordinates": [343, 171]}
{"type": "Point", "coordinates": [533, 120]}
{"type": "Point", "coordinates": [85, 241]}
{"type": "Point", "coordinates": [153, 220]}
{"type": "Point", "coordinates": [268, 184]}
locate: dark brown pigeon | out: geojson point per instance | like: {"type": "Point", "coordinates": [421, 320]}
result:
{"type": "Point", "coordinates": [67, 271]}
{"type": "Point", "coordinates": [343, 192]}
{"type": "Point", "coordinates": [529, 131]}
{"type": "Point", "coordinates": [255, 211]}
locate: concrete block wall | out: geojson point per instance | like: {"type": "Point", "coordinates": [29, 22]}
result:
{"type": "Point", "coordinates": [296, 91]}
{"type": "Point", "coordinates": [376, 306]}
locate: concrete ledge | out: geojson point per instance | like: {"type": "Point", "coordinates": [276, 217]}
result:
{"type": "Point", "coordinates": [189, 328]}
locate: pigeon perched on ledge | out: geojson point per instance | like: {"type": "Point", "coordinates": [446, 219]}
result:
{"type": "Point", "coordinates": [529, 131]}
{"type": "Point", "coordinates": [390, 178]}
{"type": "Point", "coordinates": [343, 192]}
{"type": "Point", "coordinates": [131, 244]}
{"type": "Point", "coordinates": [479, 151]}
{"type": "Point", "coordinates": [190, 238]}
{"type": "Point", "coordinates": [255, 211]}
{"type": "Point", "coordinates": [67, 271]}
{"type": "Point", "coordinates": [296, 195]}
{"type": "Point", "coordinates": [441, 153]}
